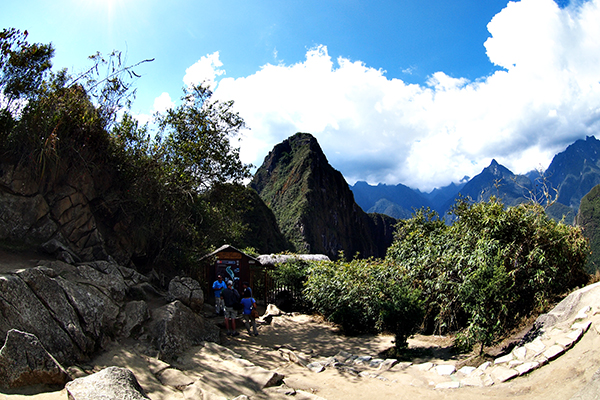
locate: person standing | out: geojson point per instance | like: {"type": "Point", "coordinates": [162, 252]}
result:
{"type": "Point", "coordinates": [246, 290]}
{"type": "Point", "coordinates": [231, 297]}
{"type": "Point", "coordinates": [218, 287]}
{"type": "Point", "coordinates": [249, 304]}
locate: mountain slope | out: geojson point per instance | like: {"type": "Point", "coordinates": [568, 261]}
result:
{"type": "Point", "coordinates": [402, 196]}
{"type": "Point", "coordinates": [571, 174]}
{"type": "Point", "coordinates": [313, 204]}
{"type": "Point", "coordinates": [589, 219]}
{"type": "Point", "coordinates": [575, 171]}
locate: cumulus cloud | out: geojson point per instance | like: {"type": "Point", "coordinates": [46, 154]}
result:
{"type": "Point", "coordinates": [163, 103]}
{"type": "Point", "coordinates": [206, 69]}
{"type": "Point", "coordinates": [546, 95]}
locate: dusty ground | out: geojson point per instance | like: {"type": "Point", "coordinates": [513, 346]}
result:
{"type": "Point", "coordinates": [560, 379]}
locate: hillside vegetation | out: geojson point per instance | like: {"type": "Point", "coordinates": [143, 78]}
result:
{"type": "Point", "coordinates": [169, 195]}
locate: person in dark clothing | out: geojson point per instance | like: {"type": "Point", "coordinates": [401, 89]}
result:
{"type": "Point", "coordinates": [230, 297]}
{"type": "Point", "coordinates": [246, 292]}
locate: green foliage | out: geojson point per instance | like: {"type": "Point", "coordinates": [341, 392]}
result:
{"type": "Point", "coordinates": [492, 267]}
{"type": "Point", "coordinates": [22, 65]}
{"type": "Point", "coordinates": [195, 142]}
{"type": "Point", "coordinates": [365, 296]}
{"type": "Point", "coordinates": [292, 275]}
{"type": "Point", "coordinates": [589, 219]}
{"type": "Point", "coordinates": [177, 192]}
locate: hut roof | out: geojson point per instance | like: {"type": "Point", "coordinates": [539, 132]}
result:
{"type": "Point", "coordinates": [272, 259]}
{"type": "Point", "coordinates": [227, 247]}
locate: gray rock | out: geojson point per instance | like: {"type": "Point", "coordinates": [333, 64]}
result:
{"type": "Point", "coordinates": [502, 374]}
{"type": "Point", "coordinates": [188, 291]}
{"type": "Point", "coordinates": [24, 362]}
{"type": "Point", "coordinates": [553, 352]}
{"type": "Point", "coordinates": [527, 367]}
{"type": "Point", "coordinates": [42, 282]}
{"type": "Point", "coordinates": [388, 364]}
{"type": "Point", "coordinates": [111, 383]}
{"type": "Point", "coordinates": [176, 328]}
{"type": "Point", "coordinates": [567, 307]}
{"type": "Point", "coordinates": [22, 309]}
{"type": "Point", "coordinates": [445, 369]}
{"type": "Point", "coordinates": [315, 367]}
{"type": "Point", "coordinates": [448, 385]}
{"type": "Point", "coordinates": [105, 276]}
{"type": "Point", "coordinates": [133, 316]}
{"type": "Point", "coordinates": [96, 310]}
{"type": "Point", "coordinates": [175, 378]}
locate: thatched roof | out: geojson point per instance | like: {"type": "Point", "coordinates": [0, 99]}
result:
{"type": "Point", "coordinates": [272, 259]}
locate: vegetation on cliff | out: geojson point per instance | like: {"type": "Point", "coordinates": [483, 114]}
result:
{"type": "Point", "coordinates": [313, 204]}
{"type": "Point", "coordinates": [589, 219]}
{"type": "Point", "coordinates": [172, 194]}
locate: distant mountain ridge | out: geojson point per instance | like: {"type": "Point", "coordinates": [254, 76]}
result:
{"type": "Point", "coordinates": [572, 173]}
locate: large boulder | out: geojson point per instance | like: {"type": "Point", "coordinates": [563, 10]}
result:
{"type": "Point", "coordinates": [22, 309]}
{"type": "Point", "coordinates": [110, 383]}
{"type": "Point", "coordinates": [24, 361]}
{"type": "Point", "coordinates": [176, 328]}
{"type": "Point", "coordinates": [188, 291]}
{"type": "Point", "coordinates": [73, 310]}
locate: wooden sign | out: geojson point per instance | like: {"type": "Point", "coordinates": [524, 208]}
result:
{"type": "Point", "coordinates": [229, 255]}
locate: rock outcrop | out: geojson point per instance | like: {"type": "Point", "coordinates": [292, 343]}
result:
{"type": "Point", "coordinates": [176, 328]}
{"type": "Point", "coordinates": [188, 291]}
{"type": "Point", "coordinates": [24, 362]}
{"type": "Point", "coordinates": [75, 311]}
{"type": "Point", "coordinates": [60, 217]}
{"type": "Point", "coordinates": [314, 205]}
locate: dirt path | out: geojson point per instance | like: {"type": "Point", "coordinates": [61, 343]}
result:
{"type": "Point", "coordinates": [560, 379]}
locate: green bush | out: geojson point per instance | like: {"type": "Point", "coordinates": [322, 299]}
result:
{"type": "Point", "coordinates": [492, 267]}
{"type": "Point", "coordinates": [365, 296]}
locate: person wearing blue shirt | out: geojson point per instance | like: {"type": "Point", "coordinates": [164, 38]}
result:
{"type": "Point", "coordinates": [218, 286]}
{"type": "Point", "coordinates": [249, 303]}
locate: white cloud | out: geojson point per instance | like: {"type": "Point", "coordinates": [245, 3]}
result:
{"type": "Point", "coordinates": [205, 69]}
{"type": "Point", "coordinates": [163, 103]}
{"type": "Point", "coordinates": [385, 130]}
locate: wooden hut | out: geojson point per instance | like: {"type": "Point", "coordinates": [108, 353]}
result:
{"type": "Point", "coordinates": [237, 266]}
{"type": "Point", "coordinates": [233, 265]}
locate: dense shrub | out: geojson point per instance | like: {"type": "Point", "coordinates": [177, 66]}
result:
{"type": "Point", "coordinates": [491, 268]}
{"type": "Point", "coordinates": [365, 296]}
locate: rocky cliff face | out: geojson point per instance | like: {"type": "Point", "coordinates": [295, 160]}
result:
{"type": "Point", "coordinates": [61, 220]}
{"type": "Point", "coordinates": [313, 204]}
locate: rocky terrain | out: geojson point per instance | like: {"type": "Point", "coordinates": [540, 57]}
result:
{"type": "Point", "coordinates": [170, 346]}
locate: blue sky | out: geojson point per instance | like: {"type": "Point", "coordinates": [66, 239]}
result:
{"type": "Point", "coordinates": [419, 92]}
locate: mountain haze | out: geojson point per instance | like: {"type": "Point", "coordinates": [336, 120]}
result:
{"type": "Point", "coordinates": [571, 174]}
